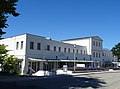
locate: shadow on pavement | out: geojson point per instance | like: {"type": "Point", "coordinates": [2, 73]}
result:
{"type": "Point", "coordinates": [83, 82]}
{"type": "Point", "coordinates": [55, 82]}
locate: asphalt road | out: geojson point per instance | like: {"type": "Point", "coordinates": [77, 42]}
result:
{"type": "Point", "coordinates": [88, 81]}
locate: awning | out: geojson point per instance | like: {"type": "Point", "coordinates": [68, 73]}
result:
{"type": "Point", "coordinates": [43, 60]}
{"type": "Point", "coordinates": [57, 60]}
{"type": "Point", "coordinates": [75, 61]}
{"type": "Point", "coordinates": [115, 62]}
{"type": "Point", "coordinates": [36, 59]}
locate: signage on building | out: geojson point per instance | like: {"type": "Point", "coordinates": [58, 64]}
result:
{"type": "Point", "coordinates": [81, 65]}
{"type": "Point", "coordinates": [65, 68]}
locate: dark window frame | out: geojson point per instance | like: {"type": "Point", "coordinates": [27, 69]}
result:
{"type": "Point", "coordinates": [21, 47]}
{"type": "Point", "coordinates": [48, 47]}
{"type": "Point", "coordinates": [31, 45]}
{"type": "Point", "coordinates": [55, 48]}
{"type": "Point", "coordinates": [17, 45]}
{"type": "Point", "coordinates": [38, 46]}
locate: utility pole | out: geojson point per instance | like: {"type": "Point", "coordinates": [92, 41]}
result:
{"type": "Point", "coordinates": [74, 56]}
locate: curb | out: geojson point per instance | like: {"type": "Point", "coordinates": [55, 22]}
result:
{"type": "Point", "coordinates": [88, 73]}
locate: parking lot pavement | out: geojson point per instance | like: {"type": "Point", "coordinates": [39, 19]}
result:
{"type": "Point", "coordinates": [59, 81]}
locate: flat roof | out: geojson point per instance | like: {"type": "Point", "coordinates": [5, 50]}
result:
{"type": "Point", "coordinates": [82, 38]}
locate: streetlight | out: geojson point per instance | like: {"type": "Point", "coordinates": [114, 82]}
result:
{"type": "Point", "coordinates": [74, 55]}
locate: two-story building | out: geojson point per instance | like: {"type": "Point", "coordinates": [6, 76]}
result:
{"type": "Point", "coordinates": [39, 53]}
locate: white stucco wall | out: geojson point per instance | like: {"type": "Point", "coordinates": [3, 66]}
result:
{"type": "Point", "coordinates": [11, 45]}
{"type": "Point", "coordinates": [99, 42]}
{"type": "Point", "coordinates": [107, 56]}
{"type": "Point", "coordinates": [81, 42]}
{"type": "Point", "coordinates": [84, 45]}
{"type": "Point", "coordinates": [45, 54]}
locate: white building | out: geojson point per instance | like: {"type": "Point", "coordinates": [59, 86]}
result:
{"type": "Point", "coordinates": [38, 53]}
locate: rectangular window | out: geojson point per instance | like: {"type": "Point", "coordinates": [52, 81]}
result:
{"type": "Point", "coordinates": [99, 44]}
{"type": "Point", "coordinates": [99, 55]}
{"type": "Point", "coordinates": [94, 43]}
{"type": "Point", "coordinates": [84, 52]}
{"type": "Point", "coordinates": [96, 54]}
{"type": "Point", "coordinates": [64, 49]}
{"type": "Point", "coordinates": [68, 50]}
{"type": "Point", "coordinates": [38, 46]}
{"type": "Point", "coordinates": [102, 54]}
{"type": "Point", "coordinates": [77, 50]}
{"type": "Point", "coordinates": [81, 51]}
{"type": "Point", "coordinates": [54, 48]}
{"type": "Point", "coordinates": [59, 49]}
{"type": "Point", "coordinates": [48, 47]}
{"type": "Point", "coordinates": [93, 54]}
{"type": "Point", "coordinates": [17, 45]}
{"type": "Point", "coordinates": [21, 45]}
{"type": "Point", "coordinates": [31, 45]}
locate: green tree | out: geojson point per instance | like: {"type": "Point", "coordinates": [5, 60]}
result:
{"type": "Point", "coordinates": [116, 51]}
{"type": "Point", "coordinates": [7, 7]}
{"type": "Point", "coordinates": [3, 53]}
{"type": "Point", "coordinates": [8, 62]}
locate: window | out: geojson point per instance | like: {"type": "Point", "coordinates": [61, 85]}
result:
{"type": "Point", "coordinates": [93, 54]}
{"type": "Point", "coordinates": [99, 55]}
{"type": "Point", "coordinates": [99, 44]}
{"type": "Point", "coordinates": [31, 45]}
{"type": "Point", "coordinates": [17, 45]}
{"type": "Point", "coordinates": [68, 50]}
{"type": "Point", "coordinates": [77, 50]}
{"type": "Point", "coordinates": [81, 51]}
{"type": "Point", "coordinates": [64, 49]}
{"type": "Point", "coordinates": [21, 45]}
{"type": "Point", "coordinates": [54, 48]}
{"type": "Point", "coordinates": [94, 43]}
{"type": "Point", "coordinates": [96, 54]}
{"type": "Point", "coordinates": [102, 54]}
{"type": "Point", "coordinates": [59, 49]}
{"type": "Point", "coordinates": [56, 57]}
{"type": "Point", "coordinates": [38, 46]}
{"type": "Point", "coordinates": [48, 47]}
{"type": "Point", "coordinates": [84, 52]}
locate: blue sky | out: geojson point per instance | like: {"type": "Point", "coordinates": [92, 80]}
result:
{"type": "Point", "coordinates": [65, 19]}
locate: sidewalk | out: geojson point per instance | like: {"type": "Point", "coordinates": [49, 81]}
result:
{"type": "Point", "coordinates": [28, 78]}
{"type": "Point", "coordinates": [99, 72]}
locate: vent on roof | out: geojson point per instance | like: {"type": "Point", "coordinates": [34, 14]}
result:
{"type": "Point", "coordinates": [49, 38]}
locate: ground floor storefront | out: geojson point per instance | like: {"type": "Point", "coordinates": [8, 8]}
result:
{"type": "Point", "coordinates": [34, 65]}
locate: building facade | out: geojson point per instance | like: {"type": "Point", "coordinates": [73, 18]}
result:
{"type": "Point", "coordinates": [39, 53]}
